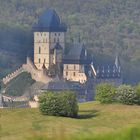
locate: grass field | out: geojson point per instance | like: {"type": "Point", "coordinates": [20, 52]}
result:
{"type": "Point", "coordinates": [95, 122]}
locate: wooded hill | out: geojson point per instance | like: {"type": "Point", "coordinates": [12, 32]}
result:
{"type": "Point", "coordinates": [106, 26]}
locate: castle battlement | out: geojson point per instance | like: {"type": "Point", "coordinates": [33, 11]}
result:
{"type": "Point", "coordinates": [12, 75]}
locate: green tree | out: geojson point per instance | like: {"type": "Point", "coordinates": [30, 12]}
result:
{"type": "Point", "coordinates": [105, 93]}
{"type": "Point", "coordinates": [137, 88]}
{"type": "Point", "coordinates": [126, 94]}
{"type": "Point", "coordinates": [59, 104]}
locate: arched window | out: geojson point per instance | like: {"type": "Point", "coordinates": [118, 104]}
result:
{"type": "Point", "coordinates": [67, 67]}
{"type": "Point", "coordinates": [39, 60]}
{"type": "Point", "coordinates": [54, 40]}
{"type": "Point", "coordinates": [44, 60]}
{"type": "Point", "coordinates": [39, 50]}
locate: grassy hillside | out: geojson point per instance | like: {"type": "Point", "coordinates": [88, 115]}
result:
{"type": "Point", "coordinates": [107, 27]}
{"type": "Point", "coordinates": [98, 122]}
{"type": "Point", "coordinates": [18, 85]}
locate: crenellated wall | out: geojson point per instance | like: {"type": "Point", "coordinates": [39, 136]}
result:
{"type": "Point", "coordinates": [37, 75]}
{"type": "Point", "coordinates": [12, 75]}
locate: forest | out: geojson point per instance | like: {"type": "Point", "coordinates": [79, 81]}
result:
{"type": "Point", "coordinates": [107, 27]}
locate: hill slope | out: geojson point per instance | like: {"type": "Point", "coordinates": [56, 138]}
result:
{"type": "Point", "coordinates": [102, 122]}
{"type": "Point", "coordinates": [106, 26]}
{"type": "Point", "coordinates": [19, 85]}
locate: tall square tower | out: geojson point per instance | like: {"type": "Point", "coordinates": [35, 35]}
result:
{"type": "Point", "coordinates": [49, 39]}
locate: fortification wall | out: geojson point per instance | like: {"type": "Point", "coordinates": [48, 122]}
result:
{"type": "Point", "coordinates": [12, 75]}
{"type": "Point", "coordinates": [37, 75]}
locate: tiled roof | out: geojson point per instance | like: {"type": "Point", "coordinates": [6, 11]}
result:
{"type": "Point", "coordinates": [49, 21]}
{"type": "Point", "coordinates": [63, 85]}
{"type": "Point", "coordinates": [77, 55]}
{"type": "Point", "coordinates": [108, 72]}
{"type": "Point", "coordinates": [107, 69]}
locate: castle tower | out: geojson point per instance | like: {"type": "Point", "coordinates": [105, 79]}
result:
{"type": "Point", "coordinates": [49, 32]}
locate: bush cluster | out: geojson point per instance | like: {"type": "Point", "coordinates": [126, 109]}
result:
{"type": "Point", "coordinates": [126, 94]}
{"type": "Point", "coordinates": [105, 93]}
{"type": "Point", "coordinates": [59, 104]}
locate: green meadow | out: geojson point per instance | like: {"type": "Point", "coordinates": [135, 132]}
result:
{"type": "Point", "coordinates": [94, 122]}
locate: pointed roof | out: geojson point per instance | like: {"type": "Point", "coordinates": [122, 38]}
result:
{"type": "Point", "coordinates": [76, 51]}
{"type": "Point", "coordinates": [76, 55]}
{"type": "Point", "coordinates": [58, 46]}
{"type": "Point", "coordinates": [117, 62]}
{"type": "Point", "coordinates": [50, 21]}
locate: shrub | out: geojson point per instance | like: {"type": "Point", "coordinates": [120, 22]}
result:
{"type": "Point", "coordinates": [137, 88]}
{"type": "Point", "coordinates": [105, 93]}
{"type": "Point", "coordinates": [59, 104]}
{"type": "Point", "coordinates": [126, 95]}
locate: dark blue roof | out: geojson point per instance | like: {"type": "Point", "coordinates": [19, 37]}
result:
{"type": "Point", "coordinates": [77, 55]}
{"type": "Point", "coordinates": [49, 21]}
{"type": "Point", "coordinates": [63, 85]}
{"type": "Point", "coordinates": [108, 72]}
{"type": "Point", "coordinates": [58, 46]}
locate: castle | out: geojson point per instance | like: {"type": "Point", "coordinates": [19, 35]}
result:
{"type": "Point", "coordinates": [77, 65]}
{"type": "Point", "coordinates": [74, 70]}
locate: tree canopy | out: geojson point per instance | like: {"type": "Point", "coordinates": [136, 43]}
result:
{"type": "Point", "coordinates": [106, 26]}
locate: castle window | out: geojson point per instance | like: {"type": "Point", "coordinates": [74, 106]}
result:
{"type": "Point", "coordinates": [39, 50]}
{"type": "Point", "coordinates": [39, 60]}
{"type": "Point", "coordinates": [54, 40]}
{"type": "Point", "coordinates": [66, 73]}
{"type": "Point", "coordinates": [59, 34]}
{"type": "Point", "coordinates": [67, 67]}
{"type": "Point", "coordinates": [74, 67]}
{"type": "Point", "coordinates": [44, 60]}
{"type": "Point", "coordinates": [57, 39]}
{"type": "Point", "coordinates": [73, 73]}
{"type": "Point", "coordinates": [55, 34]}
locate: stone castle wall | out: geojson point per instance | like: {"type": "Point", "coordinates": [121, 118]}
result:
{"type": "Point", "coordinates": [44, 42]}
{"type": "Point", "coordinates": [12, 75]}
{"type": "Point", "coordinates": [37, 75]}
